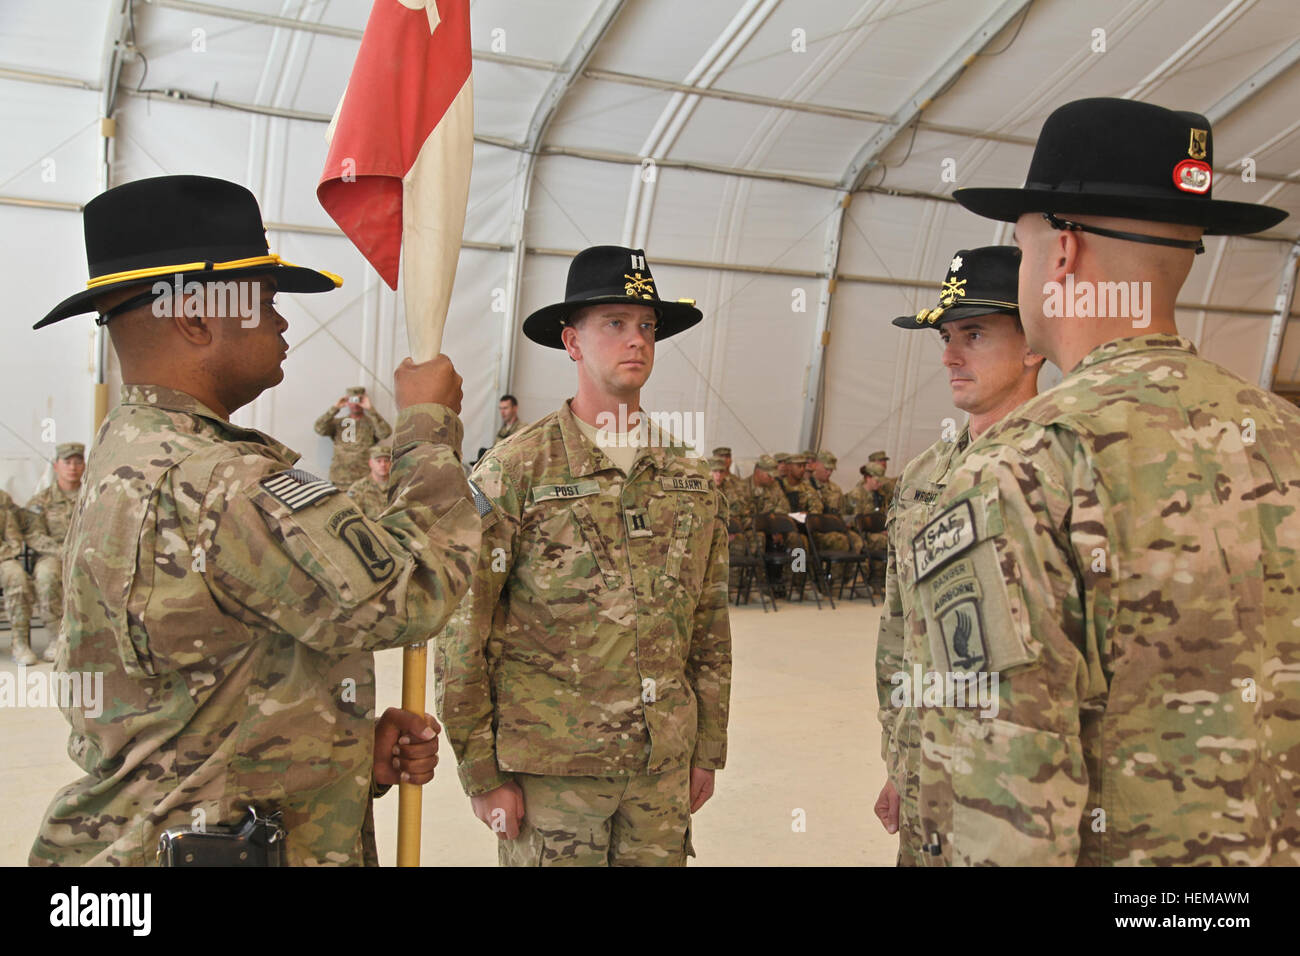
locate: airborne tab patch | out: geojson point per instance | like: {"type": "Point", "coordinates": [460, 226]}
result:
{"type": "Point", "coordinates": [297, 489]}
{"type": "Point", "coordinates": [677, 483]}
{"type": "Point", "coordinates": [943, 538]}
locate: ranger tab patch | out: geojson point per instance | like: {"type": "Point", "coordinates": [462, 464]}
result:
{"type": "Point", "coordinates": [944, 538]}
{"type": "Point", "coordinates": [297, 489]}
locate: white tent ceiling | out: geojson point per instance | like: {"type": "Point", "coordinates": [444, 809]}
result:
{"type": "Point", "coordinates": [799, 155]}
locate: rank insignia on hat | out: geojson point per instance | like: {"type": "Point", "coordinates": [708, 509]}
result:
{"type": "Point", "coordinates": [955, 264]}
{"type": "Point", "coordinates": [1196, 144]}
{"type": "Point", "coordinates": [638, 284]}
{"type": "Point", "coordinates": [297, 488]}
{"type": "Point", "coordinates": [951, 289]}
{"type": "Point", "coordinates": [1193, 176]}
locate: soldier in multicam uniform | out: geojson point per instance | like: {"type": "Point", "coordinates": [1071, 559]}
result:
{"type": "Point", "coordinates": [1122, 550]}
{"type": "Point", "coordinates": [821, 465]}
{"type": "Point", "coordinates": [584, 683]}
{"type": "Point", "coordinates": [17, 585]}
{"type": "Point", "coordinates": [832, 495]}
{"type": "Point", "coordinates": [371, 492]}
{"type": "Point", "coordinates": [740, 509]}
{"type": "Point", "coordinates": [799, 492]}
{"type": "Point", "coordinates": [353, 435]}
{"type": "Point", "coordinates": [991, 371]}
{"type": "Point", "coordinates": [866, 497]}
{"type": "Point", "coordinates": [771, 497]}
{"type": "Point", "coordinates": [887, 484]}
{"type": "Point", "coordinates": [229, 601]}
{"type": "Point", "coordinates": [508, 406]}
{"type": "Point", "coordinates": [733, 486]}
{"type": "Point", "coordinates": [45, 525]}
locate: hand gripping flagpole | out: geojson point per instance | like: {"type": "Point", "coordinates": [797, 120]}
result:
{"type": "Point", "coordinates": [435, 192]}
{"type": "Point", "coordinates": [420, 120]}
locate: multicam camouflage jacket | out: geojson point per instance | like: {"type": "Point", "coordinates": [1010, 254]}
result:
{"type": "Point", "coordinates": [859, 501]}
{"type": "Point", "coordinates": [770, 499]}
{"type": "Point", "coordinates": [353, 438]}
{"type": "Point", "coordinates": [802, 496]}
{"type": "Point", "coordinates": [11, 528]}
{"type": "Point", "coordinates": [1123, 552]}
{"type": "Point", "coordinates": [505, 431]}
{"type": "Point", "coordinates": [595, 639]}
{"type": "Point", "coordinates": [231, 604]}
{"type": "Point", "coordinates": [919, 488]}
{"type": "Point", "coordinates": [46, 518]}
{"type": "Point", "coordinates": [370, 496]}
{"type": "Point", "coordinates": [739, 502]}
{"type": "Point", "coordinates": [832, 496]}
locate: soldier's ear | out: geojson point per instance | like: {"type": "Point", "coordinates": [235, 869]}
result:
{"type": "Point", "coordinates": [569, 336]}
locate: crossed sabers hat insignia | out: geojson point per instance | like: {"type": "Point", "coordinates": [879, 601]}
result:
{"type": "Point", "coordinates": [952, 289]}
{"type": "Point", "coordinates": [639, 284]}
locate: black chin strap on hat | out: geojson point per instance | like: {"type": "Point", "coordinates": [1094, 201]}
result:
{"type": "Point", "coordinates": [132, 303]}
{"type": "Point", "coordinates": [1055, 223]}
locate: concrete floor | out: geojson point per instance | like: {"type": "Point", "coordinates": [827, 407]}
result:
{"type": "Point", "coordinates": [803, 737]}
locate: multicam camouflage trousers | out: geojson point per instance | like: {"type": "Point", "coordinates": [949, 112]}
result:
{"type": "Point", "coordinates": [837, 541]}
{"type": "Point", "coordinates": [18, 594]}
{"type": "Point", "coordinates": [49, 591]}
{"type": "Point", "coordinates": [633, 820]}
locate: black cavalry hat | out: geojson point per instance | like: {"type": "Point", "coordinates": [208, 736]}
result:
{"type": "Point", "coordinates": [1113, 157]}
{"type": "Point", "coordinates": [979, 281]}
{"type": "Point", "coordinates": [609, 274]}
{"type": "Point", "coordinates": [193, 226]}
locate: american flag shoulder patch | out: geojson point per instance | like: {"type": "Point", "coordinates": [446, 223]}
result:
{"type": "Point", "coordinates": [296, 489]}
{"type": "Point", "coordinates": [481, 503]}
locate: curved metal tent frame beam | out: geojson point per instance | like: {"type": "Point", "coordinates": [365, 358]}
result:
{"type": "Point", "coordinates": [867, 159]}
{"type": "Point", "coordinates": [549, 104]}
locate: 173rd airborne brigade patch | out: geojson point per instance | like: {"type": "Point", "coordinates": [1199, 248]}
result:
{"type": "Point", "coordinates": [954, 591]}
{"type": "Point", "coordinates": [297, 489]}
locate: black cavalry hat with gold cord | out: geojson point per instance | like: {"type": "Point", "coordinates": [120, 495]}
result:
{"type": "Point", "coordinates": [979, 281]}
{"type": "Point", "coordinates": [194, 227]}
{"type": "Point", "coordinates": [1113, 157]}
{"type": "Point", "coordinates": [604, 274]}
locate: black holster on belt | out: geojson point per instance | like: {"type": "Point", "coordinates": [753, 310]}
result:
{"type": "Point", "coordinates": [257, 841]}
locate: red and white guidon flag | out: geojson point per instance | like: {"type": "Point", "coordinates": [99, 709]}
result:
{"type": "Point", "coordinates": [401, 147]}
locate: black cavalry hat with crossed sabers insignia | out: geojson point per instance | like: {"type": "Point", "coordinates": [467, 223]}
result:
{"type": "Point", "coordinates": [604, 274]}
{"type": "Point", "coordinates": [979, 281]}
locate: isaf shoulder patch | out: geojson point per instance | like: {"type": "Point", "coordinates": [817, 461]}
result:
{"type": "Point", "coordinates": [296, 489]}
{"type": "Point", "coordinates": [944, 538]}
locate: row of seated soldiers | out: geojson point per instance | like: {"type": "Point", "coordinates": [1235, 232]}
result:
{"type": "Point", "coordinates": [40, 526]}
{"type": "Point", "coordinates": [801, 483]}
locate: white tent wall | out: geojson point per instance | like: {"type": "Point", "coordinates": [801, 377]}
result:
{"type": "Point", "coordinates": [746, 368]}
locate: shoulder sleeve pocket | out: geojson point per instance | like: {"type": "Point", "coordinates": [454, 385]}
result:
{"type": "Point", "coordinates": [969, 593]}
{"type": "Point", "coordinates": [351, 557]}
